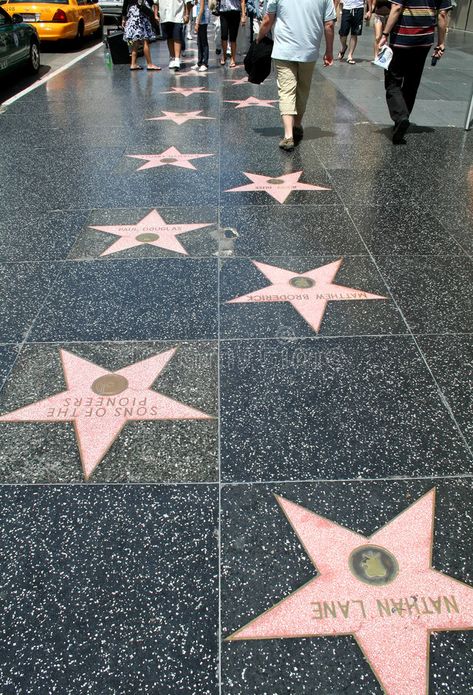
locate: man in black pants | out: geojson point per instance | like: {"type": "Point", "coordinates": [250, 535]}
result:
{"type": "Point", "coordinates": [411, 29]}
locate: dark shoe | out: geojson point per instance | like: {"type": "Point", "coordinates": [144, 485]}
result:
{"type": "Point", "coordinates": [297, 134]}
{"type": "Point", "coordinates": [399, 130]}
{"type": "Point", "coordinates": [218, 51]}
{"type": "Point", "coordinates": [287, 144]}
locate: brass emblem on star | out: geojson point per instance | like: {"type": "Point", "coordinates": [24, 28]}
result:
{"type": "Point", "coordinates": [109, 385]}
{"type": "Point", "coordinates": [147, 237]}
{"type": "Point", "coordinates": [302, 283]}
{"type": "Point", "coordinates": [373, 565]}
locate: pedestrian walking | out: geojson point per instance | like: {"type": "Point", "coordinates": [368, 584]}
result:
{"type": "Point", "coordinates": [298, 31]}
{"type": "Point", "coordinates": [232, 14]}
{"type": "Point", "coordinates": [138, 18]}
{"type": "Point", "coordinates": [351, 24]}
{"type": "Point", "coordinates": [380, 11]}
{"type": "Point", "coordinates": [201, 26]}
{"type": "Point", "coordinates": [173, 15]}
{"type": "Point", "coordinates": [411, 31]}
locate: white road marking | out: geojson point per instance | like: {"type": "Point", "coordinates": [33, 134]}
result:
{"type": "Point", "coordinates": [50, 75]}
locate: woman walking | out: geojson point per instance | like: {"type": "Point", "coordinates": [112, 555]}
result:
{"type": "Point", "coordinates": [138, 19]}
{"type": "Point", "coordinates": [232, 14]}
{"type": "Point", "coordinates": [201, 24]}
{"type": "Point", "coordinates": [381, 10]}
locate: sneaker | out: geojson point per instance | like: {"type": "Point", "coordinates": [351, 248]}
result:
{"type": "Point", "coordinates": [172, 63]}
{"type": "Point", "coordinates": [218, 51]}
{"type": "Point", "coordinates": [203, 68]}
{"type": "Point", "coordinates": [189, 36]}
{"type": "Point", "coordinates": [399, 130]}
{"type": "Point", "coordinates": [287, 144]}
{"type": "Point", "coordinates": [297, 133]}
{"type": "Point", "coordinates": [177, 64]}
{"type": "Point", "coordinates": [195, 67]}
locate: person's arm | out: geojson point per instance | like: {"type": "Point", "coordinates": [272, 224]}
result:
{"type": "Point", "coordinates": [187, 12]}
{"type": "Point", "coordinates": [329, 31]}
{"type": "Point", "coordinates": [441, 31]}
{"type": "Point", "coordinates": [199, 16]}
{"type": "Point", "coordinates": [125, 11]}
{"type": "Point", "coordinates": [266, 26]}
{"type": "Point", "coordinates": [368, 10]}
{"type": "Point", "coordinates": [394, 15]}
{"type": "Point", "coordinates": [156, 11]}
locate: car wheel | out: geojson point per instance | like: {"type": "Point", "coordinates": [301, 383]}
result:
{"type": "Point", "coordinates": [80, 33]}
{"type": "Point", "coordinates": [34, 59]}
{"type": "Point", "coordinates": [98, 33]}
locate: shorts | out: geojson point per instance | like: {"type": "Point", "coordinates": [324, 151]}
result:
{"type": "Point", "coordinates": [352, 21]}
{"type": "Point", "coordinates": [171, 30]}
{"type": "Point", "coordinates": [381, 19]}
{"type": "Point", "coordinates": [230, 22]}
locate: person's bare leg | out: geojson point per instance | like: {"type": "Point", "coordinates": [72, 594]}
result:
{"type": "Point", "coordinates": [343, 45]}
{"type": "Point", "coordinates": [224, 52]}
{"type": "Point", "coordinates": [171, 49]}
{"type": "Point", "coordinates": [177, 49]}
{"type": "Point", "coordinates": [353, 42]}
{"type": "Point", "coordinates": [147, 52]}
{"type": "Point", "coordinates": [378, 32]}
{"type": "Point", "coordinates": [288, 122]}
{"type": "Point", "coordinates": [233, 47]}
{"type": "Point", "coordinates": [134, 56]}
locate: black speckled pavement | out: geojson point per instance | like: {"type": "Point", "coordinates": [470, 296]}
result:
{"type": "Point", "coordinates": [235, 392]}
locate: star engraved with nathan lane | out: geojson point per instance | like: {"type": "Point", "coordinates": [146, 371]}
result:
{"type": "Point", "coordinates": [171, 156]}
{"type": "Point", "coordinates": [100, 403]}
{"type": "Point", "coordinates": [278, 187]}
{"type": "Point", "coordinates": [380, 589]}
{"type": "Point", "coordinates": [151, 230]}
{"type": "Point", "coordinates": [183, 117]}
{"type": "Point", "coordinates": [309, 293]}
{"type": "Point", "coordinates": [252, 101]}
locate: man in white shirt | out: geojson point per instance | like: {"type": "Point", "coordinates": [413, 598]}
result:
{"type": "Point", "coordinates": [351, 23]}
{"type": "Point", "coordinates": [299, 26]}
{"type": "Point", "coordinates": [173, 14]}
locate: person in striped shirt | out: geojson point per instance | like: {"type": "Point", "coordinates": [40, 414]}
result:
{"type": "Point", "coordinates": [411, 31]}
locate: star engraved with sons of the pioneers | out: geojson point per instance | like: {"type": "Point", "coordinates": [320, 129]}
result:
{"type": "Point", "coordinates": [309, 293]}
{"type": "Point", "coordinates": [100, 403]}
{"type": "Point", "coordinates": [171, 157]}
{"type": "Point", "coordinates": [381, 589]}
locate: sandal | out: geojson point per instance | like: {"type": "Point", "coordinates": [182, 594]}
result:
{"type": "Point", "coordinates": [341, 54]}
{"type": "Point", "coordinates": [155, 68]}
{"type": "Point", "coordinates": [137, 67]}
{"type": "Point", "coordinates": [223, 61]}
{"type": "Point", "coordinates": [350, 61]}
{"type": "Point", "coordinates": [233, 65]}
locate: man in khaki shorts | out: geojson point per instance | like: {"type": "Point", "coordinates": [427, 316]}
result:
{"type": "Point", "coordinates": [298, 29]}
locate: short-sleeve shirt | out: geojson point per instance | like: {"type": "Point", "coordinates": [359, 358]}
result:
{"type": "Point", "coordinates": [171, 11]}
{"type": "Point", "coordinates": [353, 4]}
{"type": "Point", "coordinates": [299, 28]}
{"type": "Point", "coordinates": [416, 25]}
{"type": "Point", "coordinates": [206, 13]}
{"type": "Point", "coordinates": [230, 5]}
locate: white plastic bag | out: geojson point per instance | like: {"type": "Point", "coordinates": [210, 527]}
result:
{"type": "Point", "coordinates": [384, 57]}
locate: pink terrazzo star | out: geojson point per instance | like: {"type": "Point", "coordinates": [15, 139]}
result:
{"type": "Point", "coordinates": [188, 91]}
{"type": "Point", "coordinates": [309, 293]}
{"type": "Point", "coordinates": [252, 101]}
{"type": "Point", "coordinates": [240, 80]}
{"type": "Point", "coordinates": [278, 187]}
{"type": "Point", "coordinates": [171, 156]}
{"type": "Point", "coordinates": [100, 403]}
{"type": "Point", "coordinates": [151, 230]}
{"type": "Point", "coordinates": [183, 117]}
{"type": "Point", "coordinates": [381, 589]}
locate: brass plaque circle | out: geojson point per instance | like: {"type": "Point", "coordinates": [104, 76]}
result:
{"type": "Point", "coordinates": [301, 282]}
{"type": "Point", "coordinates": [169, 160]}
{"type": "Point", "coordinates": [109, 385]}
{"type": "Point", "coordinates": [146, 237]}
{"type": "Point", "coordinates": [373, 565]}
{"type": "Point", "coordinates": [275, 182]}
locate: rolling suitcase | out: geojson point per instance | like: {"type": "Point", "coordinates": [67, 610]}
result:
{"type": "Point", "coordinates": [118, 47]}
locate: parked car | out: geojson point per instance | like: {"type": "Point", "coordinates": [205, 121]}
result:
{"type": "Point", "coordinates": [60, 19]}
{"type": "Point", "coordinates": [112, 8]}
{"type": "Point", "coordinates": [19, 43]}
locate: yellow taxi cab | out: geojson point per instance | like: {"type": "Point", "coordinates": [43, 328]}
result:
{"type": "Point", "coordinates": [60, 19]}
